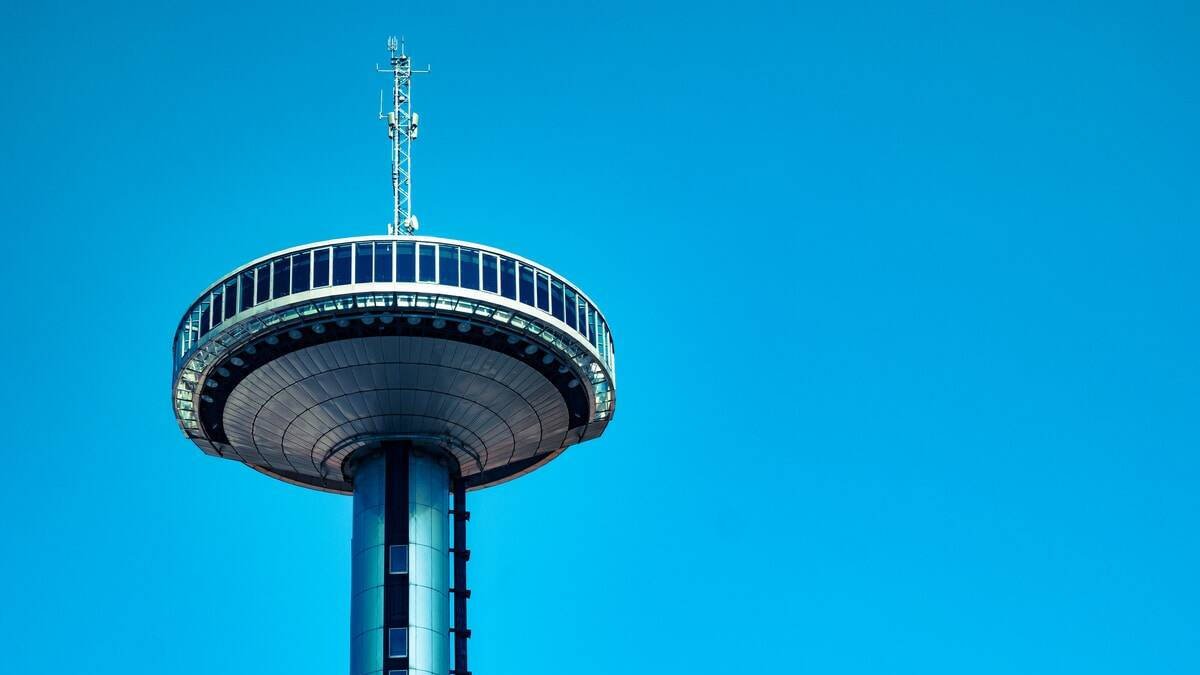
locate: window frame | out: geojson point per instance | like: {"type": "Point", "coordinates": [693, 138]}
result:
{"type": "Point", "coordinates": [364, 249]}
{"type": "Point", "coordinates": [411, 255]}
{"type": "Point", "coordinates": [305, 258]}
{"type": "Point", "coordinates": [532, 300]}
{"type": "Point", "coordinates": [421, 248]}
{"type": "Point", "coordinates": [463, 265]}
{"type": "Point", "coordinates": [508, 264]}
{"type": "Point", "coordinates": [258, 283]}
{"type": "Point", "coordinates": [388, 260]}
{"type": "Point", "coordinates": [277, 266]}
{"type": "Point", "coordinates": [327, 251]}
{"type": "Point", "coordinates": [333, 264]}
{"type": "Point", "coordinates": [231, 297]}
{"type": "Point", "coordinates": [448, 260]}
{"type": "Point", "coordinates": [391, 652]}
{"type": "Point", "coordinates": [483, 273]}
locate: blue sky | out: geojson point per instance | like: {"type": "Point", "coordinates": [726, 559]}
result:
{"type": "Point", "coordinates": [904, 297]}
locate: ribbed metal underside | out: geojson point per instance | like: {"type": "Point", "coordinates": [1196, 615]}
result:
{"type": "Point", "coordinates": [300, 416]}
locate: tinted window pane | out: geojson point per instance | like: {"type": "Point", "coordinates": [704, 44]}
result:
{"type": "Point", "coordinates": [581, 312]}
{"type": "Point", "coordinates": [449, 268]}
{"type": "Point", "coordinates": [570, 309]}
{"type": "Point", "coordinates": [405, 262]}
{"type": "Point", "coordinates": [205, 315]}
{"type": "Point", "coordinates": [526, 285]}
{"type": "Point", "coordinates": [383, 261]}
{"type": "Point", "coordinates": [247, 300]}
{"type": "Point", "coordinates": [262, 284]}
{"type": "Point", "coordinates": [341, 265]}
{"type": "Point", "coordinates": [508, 278]}
{"type": "Point", "coordinates": [592, 325]}
{"type": "Point", "coordinates": [230, 298]}
{"type": "Point", "coordinates": [543, 291]}
{"type": "Point", "coordinates": [320, 267]}
{"type": "Point", "coordinates": [283, 277]}
{"type": "Point", "coordinates": [398, 559]}
{"type": "Point", "coordinates": [469, 276]}
{"type": "Point", "coordinates": [556, 298]}
{"type": "Point", "coordinates": [218, 306]}
{"type": "Point", "coordinates": [491, 269]}
{"type": "Point", "coordinates": [362, 264]}
{"type": "Point", "coordinates": [427, 264]}
{"type": "Point", "coordinates": [300, 272]}
{"type": "Point", "coordinates": [397, 643]}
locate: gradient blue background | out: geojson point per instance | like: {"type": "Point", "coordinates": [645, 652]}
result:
{"type": "Point", "coordinates": [904, 297]}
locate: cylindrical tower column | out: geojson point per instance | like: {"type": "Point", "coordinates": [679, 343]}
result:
{"type": "Point", "coordinates": [399, 607]}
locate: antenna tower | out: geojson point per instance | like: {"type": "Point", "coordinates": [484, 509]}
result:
{"type": "Point", "coordinates": [402, 130]}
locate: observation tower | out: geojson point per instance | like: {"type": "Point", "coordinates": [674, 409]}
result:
{"type": "Point", "coordinates": [404, 370]}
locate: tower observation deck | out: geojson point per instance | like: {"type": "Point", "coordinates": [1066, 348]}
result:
{"type": "Point", "coordinates": [404, 370]}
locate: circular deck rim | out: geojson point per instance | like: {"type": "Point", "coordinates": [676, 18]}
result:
{"type": "Point", "coordinates": [266, 318]}
{"type": "Point", "coordinates": [386, 237]}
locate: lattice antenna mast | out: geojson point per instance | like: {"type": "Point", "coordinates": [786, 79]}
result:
{"type": "Point", "coordinates": [402, 130]}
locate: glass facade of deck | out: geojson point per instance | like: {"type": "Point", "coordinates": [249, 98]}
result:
{"type": "Point", "coordinates": [394, 261]}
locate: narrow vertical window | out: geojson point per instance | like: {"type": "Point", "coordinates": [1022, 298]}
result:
{"type": "Point", "coordinates": [218, 305]}
{"type": "Point", "coordinates": [383, 261]}
{"type": "Point", "coordinates": [281, 283]}
{"type": "Point", "coordinates": [543, 291]}
{"type": "Point", "coordinates": [262, 285]}
{"type": "Point", "coordinates": [526, 286]}
{"type": "Point", "coordinates": [231, 298]}
{"type": "Point", "coordinates": [508, 278]}
{"type": "Point", "coordinates": [468, 277]}
{"type": "Point", "coordinates": [341, 265]}
{"type": "Point", "coordinates": [205, 316]}
{"type": "Point", "coordinates": [612, 351]}
{"type": "Point", "coordinates": [448, 270]}
{"type": "Point", "coordinates": [556, 298]}
{"type": "Point", "coordinates": [320, 268]}
{"type": "Point", "coordinates": [406, 268]}
{"type": "Point", "coordinates": [398, 559]}
{"type": "Point", "coordinates": [591, 311]}
{"type": "Point", "coordinates": [362, 263]}
{"type": "Point", "coordinates": [603, 339]}
{"type": "Point", "coordinates": [397, 643]}
{"type": "Point", "coordinates": [300, 271]}
{"type": "Point", "coordinates": [491, 273]}
{"type": "Point", "coordinates": [572, 317]}
{"type": "Point", "coordinates": [581, 311]}
{"type": "Point", "coordinates": [247, 300]}
{"type": "Point", "coordinates": [426, 262]}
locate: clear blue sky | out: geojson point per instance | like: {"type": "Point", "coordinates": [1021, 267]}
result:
{"type": "Point", "coordinates": [904, 295]}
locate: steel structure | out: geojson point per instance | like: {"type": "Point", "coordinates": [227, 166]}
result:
{"type": "Point", "coordinates": [404, 370]}
{"type": "Point", "coordinates": [402, 124]}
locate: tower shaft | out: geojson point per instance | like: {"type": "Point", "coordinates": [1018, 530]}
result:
{"type": "Point", "coordinates": [399, 607]}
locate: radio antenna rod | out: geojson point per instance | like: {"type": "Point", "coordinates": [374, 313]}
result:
{"type": "Point", "coordinates": [402, 130]}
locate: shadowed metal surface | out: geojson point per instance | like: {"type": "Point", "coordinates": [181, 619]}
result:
{"type": "Point", "coordinates": [306, 412]}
